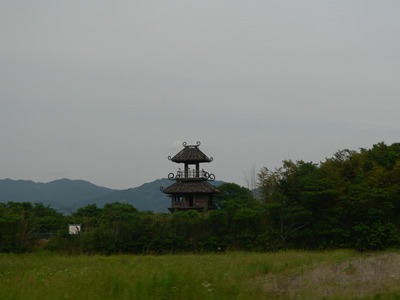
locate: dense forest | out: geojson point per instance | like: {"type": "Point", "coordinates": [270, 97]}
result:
{"type": "Point", "coordinates": [351, 200]}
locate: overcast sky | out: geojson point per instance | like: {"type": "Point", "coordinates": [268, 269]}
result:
{"type": "Point", "coordinates": [105, 91]}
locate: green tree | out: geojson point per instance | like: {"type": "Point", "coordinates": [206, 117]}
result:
{"type": "Point", "coordinates": [48, 219]}
{"type": "Point", "coordinates": [281, 191]}
{"type": "Point", "coordinates": [89, 216]}
{"type": "Point", "coordinates": [16, 227]}
{"type": "Point", "coordinates": [233, 196]}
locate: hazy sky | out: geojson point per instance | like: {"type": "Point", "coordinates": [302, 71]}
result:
{"type": "Point", "coordinates": [105, 91]}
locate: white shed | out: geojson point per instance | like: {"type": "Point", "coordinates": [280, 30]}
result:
{"type": "Point", "coordinates": [74, 228]}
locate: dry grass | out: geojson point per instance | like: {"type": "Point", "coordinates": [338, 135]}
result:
{"type": "Point", "coordinates": [362, 277]}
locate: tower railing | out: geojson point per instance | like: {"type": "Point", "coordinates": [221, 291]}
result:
{"type": "Point", "coordinates": [191, 174]}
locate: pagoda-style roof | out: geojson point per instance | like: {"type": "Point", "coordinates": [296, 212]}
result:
{"type": "Point", "coordinates": [190, 154]}
{"type": "Point", "coordinates": [184, 187]}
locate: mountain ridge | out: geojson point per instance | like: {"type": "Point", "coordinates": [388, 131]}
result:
{"type": "Point", "coordinates": [67, 195]}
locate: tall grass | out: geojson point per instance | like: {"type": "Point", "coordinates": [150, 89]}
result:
{"type": "Point", "coordinates": [285, 275]}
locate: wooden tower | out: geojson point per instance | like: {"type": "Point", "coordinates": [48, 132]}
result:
{"type": "Point", "coordinates": [191, 191]}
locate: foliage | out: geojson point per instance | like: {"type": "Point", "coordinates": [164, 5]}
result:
{"type": "Point", "coordinates": [16, 227]}
{"type": "Point", "coordinates": [351, 200]}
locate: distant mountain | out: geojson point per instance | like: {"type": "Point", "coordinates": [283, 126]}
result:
{"type": "Point", "coordinates": [145, 197]}
{"type": "Point", "coordinates": [68, 195]}
{"type": "Point", "coordinates": [59, 193]}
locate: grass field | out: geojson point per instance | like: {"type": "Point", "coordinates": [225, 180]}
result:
{"type": "Point", "coordinates": [340, 274]}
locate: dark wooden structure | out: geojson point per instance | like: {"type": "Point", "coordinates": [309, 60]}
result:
{"type": "Point", "coordinates": [191, 191]}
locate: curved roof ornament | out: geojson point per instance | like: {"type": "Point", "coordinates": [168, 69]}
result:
{"type": "Point", "coordinates": [184, 144]}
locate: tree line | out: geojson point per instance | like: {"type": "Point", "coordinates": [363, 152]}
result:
{"type": "Point", "coordinates": [351, 200]}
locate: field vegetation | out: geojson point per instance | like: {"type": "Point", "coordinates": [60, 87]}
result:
{"type": "Point", "coordinates": [340, 274]}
